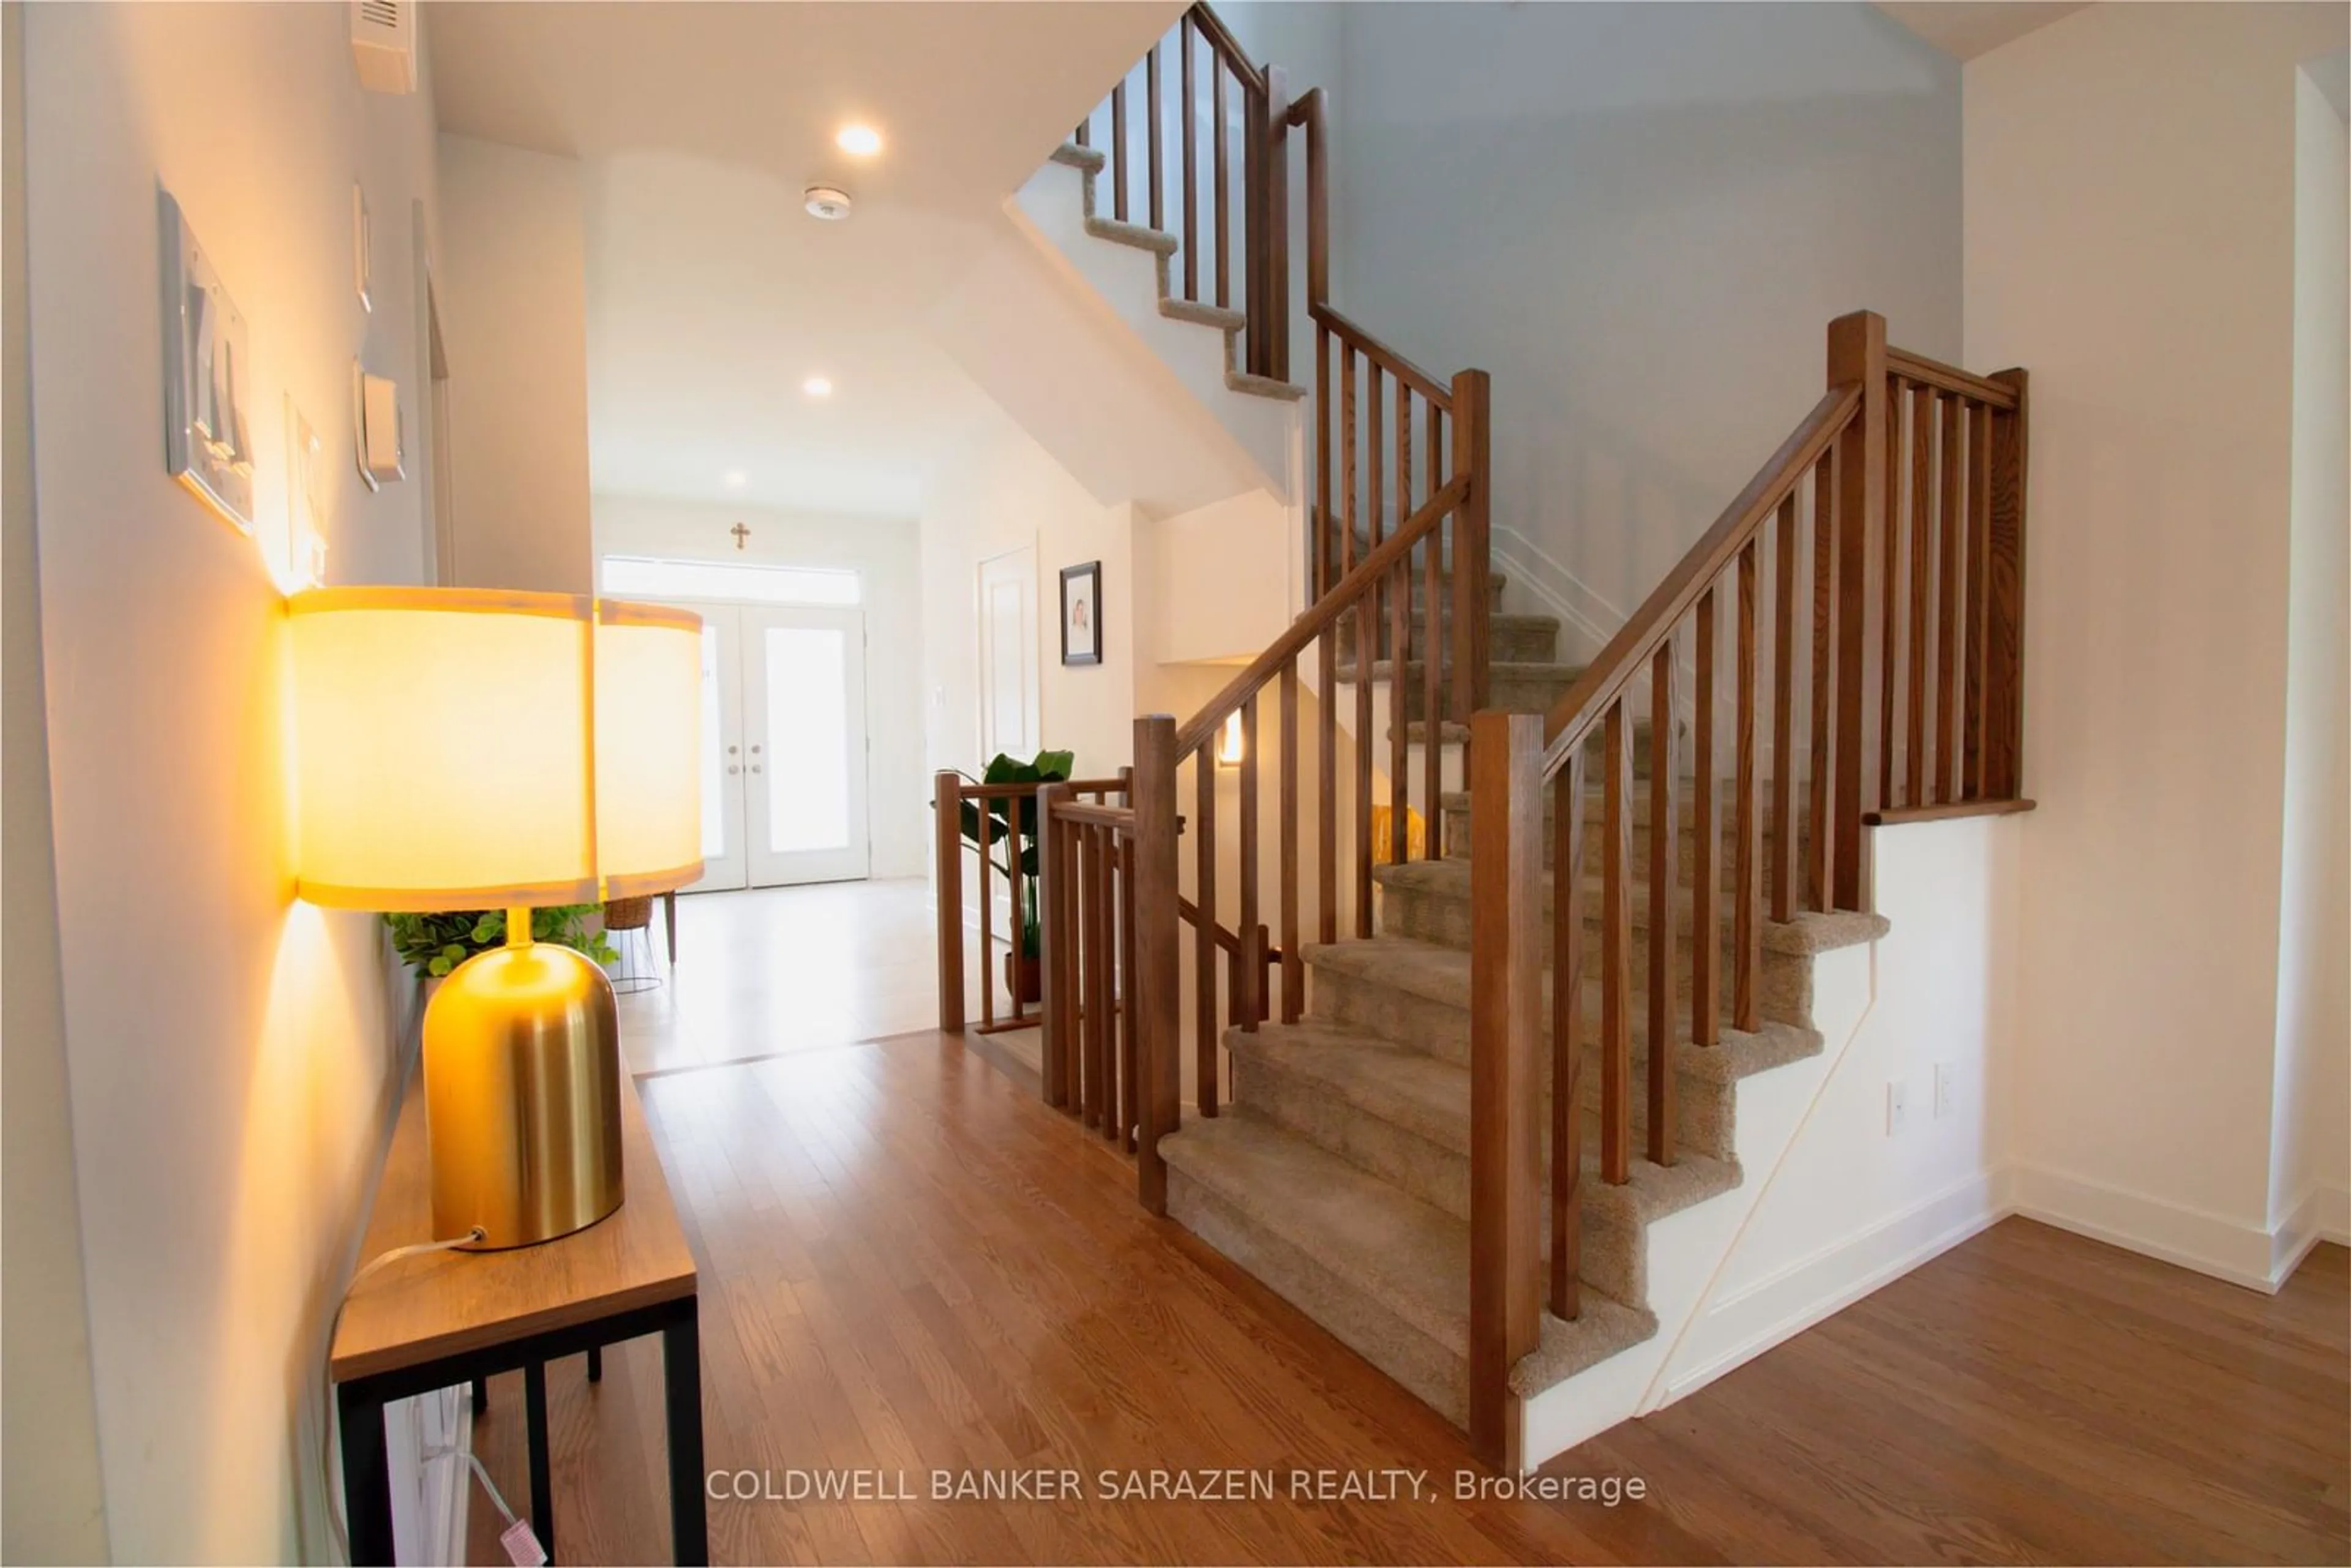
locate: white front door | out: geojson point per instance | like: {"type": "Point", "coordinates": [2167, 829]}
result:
{"type": "Point", "coordinates": [803, 675]}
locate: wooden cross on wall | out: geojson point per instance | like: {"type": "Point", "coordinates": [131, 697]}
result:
{"type": "Point", "coordinates": [742, 535]}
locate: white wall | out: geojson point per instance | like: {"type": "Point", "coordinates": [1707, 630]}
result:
{"type": "Point", "coordinates": [232, 1055]}
{"type": "Point", "coordinates": [2130, 240]}
{"type": "Point", "coordinates": [513, 286]}
{"type": "Point", "coordinates": [53, 1510]}
{"type": "Point", "coordinates": [882, 551]}
{"type": "Point", "coordinates": [1641, 220]}
{"type": "Point", "coordinates": [2310, 1114]}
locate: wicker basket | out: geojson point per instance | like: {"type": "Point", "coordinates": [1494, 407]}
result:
{"type": "Point", "coordinates": [629, 914]}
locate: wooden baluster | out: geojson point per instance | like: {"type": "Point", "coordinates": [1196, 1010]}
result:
{"type": "Point", "coordinates": [1325, 555]}
{"type": "Point", "coordinates": [1784, 562]}
{"type": "Point", "coordinates": [1293, 962]}
{"type": "Point", "coordinates": [1223, 161]}
{"type": "Point", "coordinates": [1399, 592]}
{"type": "Point", "coordinates": [1366, 643]}
{"type": "Point", "coordinates": [2004, 584]}
{"type": "Point", "coordinates": [1706, 935]}
{"type": "Point", "coordinates": [1747, 937]}
{"type": "Point", "coordinates": [1615, 946]}
{"type": "Point", "coordinates": [1567, 1038]}
{"type": "Point", "coordinates": [1151, 136]}
{"type": "Point", "coordinates": [1948, 708]}
{"type": "Point", "coordinates": [1828, 602]}
{"type": "Point", "coordinates": [1129, 1076]}
{"type": "Point", "coordinates": [1100, 1112]}
{"type": "Point", "coordinates": [946, 807]}
{"type": "Point", "coordinates": [1204, 934]}
{"type": "Point", "coordinates": [1082, 1022]}
{"type": "Point", "coordinates": [1898, 413]}
{"type": "Point", "coordinates": [1432, 659]}
{"type": "Point", "coordinates": [1118, 150]}
{"type": "Point", "coordinates": [1251, 1000]}
{"type": "Point", "coordinates": [1157, 1009]}
{"type": "Point", "coordinates": [1505, 1182]}
{"type": "Point", "coordinates": [1664, 1034]}
{"type": "Point", "coordinates": [1052, 955]}
{"type": "Point", "coordinates": [1857, 356]}
{"type": "Point", "coordinates": [1187, 45]}
{"type": "Point", "coordinates": [1273, 138]}
{"type": "Point", "coordinates": [987, 917]}
{"type": "Point", "coordinates": [1020, 927]}
{"type": "Point", "coordinates": [1326, 799]}
{"type": "Point", "coordinates": [1979, 571]}
{"type": "Point", "coordinates": [1117, 1025]}
{"type": "Point", "coordinates": [1919, 641]}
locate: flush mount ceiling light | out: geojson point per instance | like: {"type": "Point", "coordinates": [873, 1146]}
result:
{"type": "Point", "coordinates": [826, 203]}
{"type": "Point", "coordinates": [817, 386]}
{"type": "Point", "coordinates": [734, 478]}
{"type": "Point", "coordinates": [858, 141]}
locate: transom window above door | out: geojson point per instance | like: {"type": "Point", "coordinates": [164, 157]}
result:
{"type": "Point", "coordinates": [645, 577]}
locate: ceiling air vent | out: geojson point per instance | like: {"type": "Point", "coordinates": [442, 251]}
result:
{"type": "Point", "coordinates": [383, 42]}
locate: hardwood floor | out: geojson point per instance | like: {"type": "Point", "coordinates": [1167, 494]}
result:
{"type": "Point", "coordinates": [912, 1266]}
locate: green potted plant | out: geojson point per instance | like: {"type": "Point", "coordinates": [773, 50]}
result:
{"type": "Point", "coordinates": [1023, 975]}
{"type": "Point", "coordinates": [432, 945]}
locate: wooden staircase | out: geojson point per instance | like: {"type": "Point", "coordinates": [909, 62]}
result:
{"type": "Point", "coordinates": [1472, 1072]}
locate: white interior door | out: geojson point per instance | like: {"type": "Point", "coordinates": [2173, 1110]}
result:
{"type": "Point", "coordinates": [1008, 655]}
{"type": "Point", "coordinates": [725, 843]}
{"type": "Point", "coordinates": [803, 671]}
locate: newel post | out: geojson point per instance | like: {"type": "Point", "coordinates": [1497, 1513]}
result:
{"type": "Point", "coordinates": [1473, 446]}
{"type": "Point", "coordinates": [1506, 957]}
{"type": "Point", "coordinates": [1055, 947]}
{"type": "Point", "coordinates": [1858, 354]}
{"type": "Point", "coordinates": [1157, 1009]}
{"type": "Point", "coordinates": [947, 801]}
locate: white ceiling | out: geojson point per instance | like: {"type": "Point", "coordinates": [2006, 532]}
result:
{"type": "Point", "coordinates": [711, 294]}
{"type": "Point", "coordinates": [1966, 28]}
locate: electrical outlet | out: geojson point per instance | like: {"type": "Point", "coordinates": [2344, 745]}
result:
{"type": "Point", "coordinates": [1944, 1089]}
{"type": "Point", "coordinates": [1898, 1108]}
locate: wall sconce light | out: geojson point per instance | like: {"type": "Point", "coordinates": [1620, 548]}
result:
{"type": "Point", "coordinates": [1229, 750]}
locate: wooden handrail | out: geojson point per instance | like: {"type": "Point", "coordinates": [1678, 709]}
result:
{"type": "Point", "coordinates": [1092, 815]}
{"type": "Point", "coordinates": [1628, 651]}
{"type": "Point", "coordinates": [1387, 359]}
{"type": "Point", "coordinates": [1949, 377]}
{"type": "Point", "coordinates": [973, 791]}
{"type": "Point", "coordinates": [1220, 38]}
{"type": "Point", "coordinates": [1224, 936]}
{"type": "Point", "coordinates": [1320, 617]}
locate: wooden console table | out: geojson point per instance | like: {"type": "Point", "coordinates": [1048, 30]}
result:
{"type": "Point", "coordinates": [441, 1320]}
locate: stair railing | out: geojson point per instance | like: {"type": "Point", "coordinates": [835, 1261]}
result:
{"type": "Point", "coordinates": [1218, 82]}
{"type": "Point", "coordinates": [1889, 677]}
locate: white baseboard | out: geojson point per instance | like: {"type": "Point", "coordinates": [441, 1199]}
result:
{"type": "Point", "coordinates": [2250, 1255]}
{"type": "Point", "coordinates": [1792, 1298]}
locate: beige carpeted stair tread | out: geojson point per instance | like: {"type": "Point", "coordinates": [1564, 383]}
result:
{"type": "Point", "coordinates": [1409, 1255]}
{"type": "Point", "coordinates": [1442, 974]}
{"type": "Point", "coordinates": [1343, 671]}
{"type": "Point", "coordinates": [1604, 1328]}
{"type": "Point", "coordinates": [1092, 159]}
{"type": "Point", "coordinates": [1263, 386]}
{"type": "Point", "coordinates": [1157, 241]}
{"type": "Point", "coordinates": [1430, 1098]}
{"type": "Point", "coordinates": [1200, 314]}
{"type": "Point", "coordinates": [1809, 933]}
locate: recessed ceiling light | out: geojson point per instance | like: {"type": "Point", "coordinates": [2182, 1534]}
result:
{"type": "Point", "coordinates": [858, 141]}
{"type": "Point", "coordinates": [817, 386]}
{"type": "Point", "coordinates": [734, 478]}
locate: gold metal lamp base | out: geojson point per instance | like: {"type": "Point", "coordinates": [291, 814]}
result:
{"type": "Point", "coordinates": [522, 1093]}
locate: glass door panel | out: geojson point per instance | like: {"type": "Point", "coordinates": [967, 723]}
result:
{"type": "Point", "coordinates": [804, 744]}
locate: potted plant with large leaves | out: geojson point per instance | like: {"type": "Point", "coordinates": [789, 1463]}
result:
{"type": "Point", "coordinates": [1023, 975]}
{"type": "Point", "coordinates": [432, 945]}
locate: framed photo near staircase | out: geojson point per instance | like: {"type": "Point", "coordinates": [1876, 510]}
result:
{"type": "Point", "coordinates": [1081, 613]}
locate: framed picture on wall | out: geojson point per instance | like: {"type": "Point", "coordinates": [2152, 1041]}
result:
{"type": "Point", "coordinates": [207, 443]}
{"type": "Point", "coordinates": [1081, 613]}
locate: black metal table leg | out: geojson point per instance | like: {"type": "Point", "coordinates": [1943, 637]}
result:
{"type": "Point", "coordinates": [542, 1483]}
{"type": "Point", "coordinates": [689, 1524]}
{"type": "Point", "coordinates": [367, 1474]}
{"type": "Point", "coordinates": [595, 1364]}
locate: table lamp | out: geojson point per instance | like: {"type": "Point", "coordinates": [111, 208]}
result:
{"type": "Point", "coordinates": [470, 748]}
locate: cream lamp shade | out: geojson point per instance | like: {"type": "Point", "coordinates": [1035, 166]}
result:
{"type": "Point", "coordinates": [648, 747]}
{"type": "Point", "coordinates": [471, 748]}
